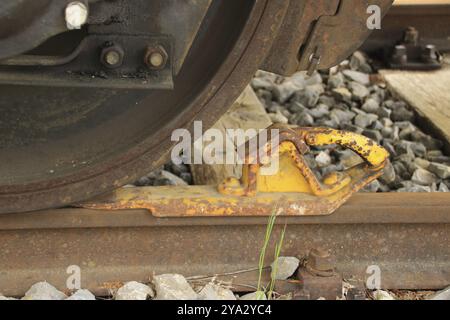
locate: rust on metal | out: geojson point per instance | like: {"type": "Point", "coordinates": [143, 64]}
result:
{"type": "Point", "coordinates": [238, 48]}
{"type": "Point", "coordinates": [124, 245]}
{"type": "Point", "coordinates": [314, 287]}
{"type": "Point", "coordinates": [293, 191]}
{"type": "Point", "coordinates": [328, 31]}
{"type": "Point", "coordinates": [301, 16]}
{"type": "Point", "coordinates": [320, 262]}
{"type": "Point", "coordinates": [335, 36]}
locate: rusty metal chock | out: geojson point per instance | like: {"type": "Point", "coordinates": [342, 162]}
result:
{"type": "Point", "coordinates": [292, 190]}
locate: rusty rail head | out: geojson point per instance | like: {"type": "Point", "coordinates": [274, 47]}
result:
{"type": "Point", "coordinates": [407, 235]}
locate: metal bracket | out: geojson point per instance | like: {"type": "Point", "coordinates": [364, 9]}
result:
{"type": "Point", "coordinates": [409, 54]}
{"type": "Point", "coordinates": [86, 67]}
{"type": "Point", "coordinates": [292, 191]}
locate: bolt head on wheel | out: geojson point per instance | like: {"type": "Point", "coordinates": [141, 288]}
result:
{"type": "Point", "coordinates": [76, 15]}
{"type": "Point", "coordinates": [156, 57]}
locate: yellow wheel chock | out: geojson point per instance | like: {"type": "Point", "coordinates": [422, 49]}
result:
{"type": "Point", "coordinates": [292, 190]}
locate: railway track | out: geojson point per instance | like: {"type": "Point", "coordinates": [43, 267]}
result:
{"type": "Point", "coordinates": [430, 18]}
{"type": "Point", "coordinates": [406, 235]}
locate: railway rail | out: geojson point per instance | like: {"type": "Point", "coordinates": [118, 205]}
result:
{"type": "Point", "coordinates": [406, 235]}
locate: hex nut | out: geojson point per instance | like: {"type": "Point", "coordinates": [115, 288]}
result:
{"type": "Point", "coordinates": [112, 56]}
{"type": "Point", "coordinates": [321, 260]}
{"type": "Point", "coordinates": [400, 54]}
{"type": "Point", "coordinates": [430, 53]}
{"type": "Point", "coordinates": [76, 15]}
{"type": "Point", "coordinates": [156, 57]}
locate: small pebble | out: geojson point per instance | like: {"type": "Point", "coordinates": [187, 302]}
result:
{"type": "Point", "coordinates": [134, 291]}
{"type": "Point", "coordinates": [424, 177]}
{"type": "Point", "coordinates": [323, 159]}
{"type": "Point", "coordinates": [371, 106]}
{"type": "Point", "coordinates": [286, 267]}
{"type": "Point", "coordinates": [258, 295]}
{"type": "Point", "coordinates": [382, 295]}
{"type": "Point", "coordinates": [359, 92]}
{"type": "Point", "coordinates": [342, 94]}
{"type": "Point", "coordinates": [356, 76]}
{"type": "Point", "coordinates": [82, 294]}
{"type": "Point", "coordinates": [173, 287]}
{"type": "Point", "coordinates": [43, 291]}
{"type": "Point", "coordinates": [216, 292]}
{"type": "Point", "coordinates": [278, 118]}
{"type": "Point", "coordinates": [441, 170]}
{"type": "Point", "coordinates": [365, 120]}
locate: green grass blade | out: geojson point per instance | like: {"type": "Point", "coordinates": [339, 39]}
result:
{"type": "Point", "coordinates": [275, 263]}
{"type": "Point", "coordinates": [262, 254]}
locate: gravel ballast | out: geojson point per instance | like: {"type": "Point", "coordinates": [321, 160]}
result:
{"type": "Point", "coordinates": [345, 98]}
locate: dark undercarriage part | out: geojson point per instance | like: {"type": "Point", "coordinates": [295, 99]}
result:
{"type": "Point", "coordinates": [90, 91]}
